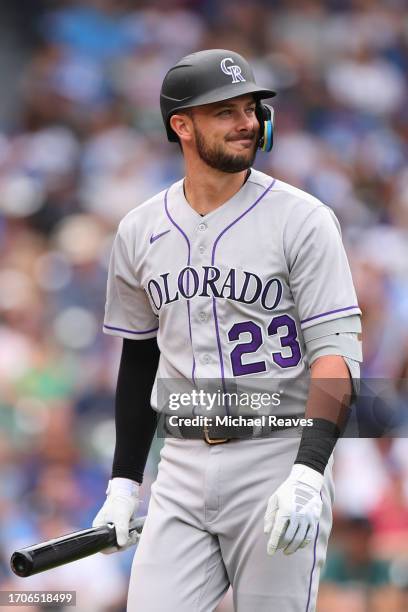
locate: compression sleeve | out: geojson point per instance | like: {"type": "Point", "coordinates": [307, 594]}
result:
{"type": "Point", "coordinates": [135, 420]}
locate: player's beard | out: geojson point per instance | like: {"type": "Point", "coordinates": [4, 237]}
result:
{"type": "Point", "coordinates": [216, 157]}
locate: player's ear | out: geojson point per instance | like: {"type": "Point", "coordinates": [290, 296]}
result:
{"type": "Point", "coordinates": [182, 125]}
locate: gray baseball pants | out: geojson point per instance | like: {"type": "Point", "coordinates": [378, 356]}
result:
{"type": "Point", "coordinates": [204, 531]}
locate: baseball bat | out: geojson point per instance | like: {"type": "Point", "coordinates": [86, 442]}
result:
{"type": "Point", "coordinates": [67, 548]}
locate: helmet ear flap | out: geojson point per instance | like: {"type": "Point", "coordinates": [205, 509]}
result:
{"type": "Point", "coordinates": [265, 116]}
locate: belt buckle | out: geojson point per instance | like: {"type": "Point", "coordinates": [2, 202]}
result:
{"type": "Point", "coordinates": [213, 440]}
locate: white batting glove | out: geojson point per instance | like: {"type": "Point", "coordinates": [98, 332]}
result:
{"type": "Point", "coordinates": [294, 510]}
{"type": "Point", "coordinates": [120, 506]}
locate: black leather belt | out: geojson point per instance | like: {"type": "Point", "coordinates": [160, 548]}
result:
{"type": "Point", "coordinates": [216, 434]}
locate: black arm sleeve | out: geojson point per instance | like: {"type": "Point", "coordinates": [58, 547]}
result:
{"type": "Point", "coordinates": [135, 420]}
{"type": "Point", "coordinates": [317, 444]}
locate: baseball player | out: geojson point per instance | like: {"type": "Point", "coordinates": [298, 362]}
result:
{"type": "Point", "coordinates": [228, 275]}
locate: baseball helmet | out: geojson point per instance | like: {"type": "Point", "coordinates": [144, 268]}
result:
{"type": "Point", "coordinates": [210, 76]}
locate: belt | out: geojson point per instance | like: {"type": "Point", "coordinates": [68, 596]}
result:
{"type": "Point", "coordinates": [217, 435]}
{"type": "Point", "coordinates": [211, 435]}
{"type": "Point", "coordinates": [213, 440]}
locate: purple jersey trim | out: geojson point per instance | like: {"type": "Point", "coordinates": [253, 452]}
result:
{"type": "Point", "coordinates": [312, 570]}
{"type": "Point", "coordinates": [129, 331]}
{"type": "Point", "coordinates": [217, 331]}
{"type": "Point", "coordinates": [324, 314]}
{"type": "Point", "coordinates": [188, 263]}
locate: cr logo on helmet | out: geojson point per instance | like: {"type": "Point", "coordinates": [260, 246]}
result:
{"type": "Point", "coordinates": [234, 71]}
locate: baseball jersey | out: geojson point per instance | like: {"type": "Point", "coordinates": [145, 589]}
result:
{"type": "Point", "coordinates": [229, 294]}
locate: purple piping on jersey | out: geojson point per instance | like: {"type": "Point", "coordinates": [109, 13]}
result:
{"type": "Point", "coordinates": [129, 331]}
{"type": "Point", "coordinates": [188, 278]}
{"type": "Point", "coordinates": [324, 314]}
{"type": "Point", "coordinates": [313, 566]}
{"type": "Point", "coordinates": [217, 331]}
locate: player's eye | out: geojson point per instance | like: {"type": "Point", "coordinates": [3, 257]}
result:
{"type": "Point", "coordinates": [224, 113]}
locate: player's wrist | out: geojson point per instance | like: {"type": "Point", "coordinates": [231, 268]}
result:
{"type": "Point", "coordinates": [307, 475]}
{"type": "Point", "coordinates": [122, 486]}
{"type": "Point", "coordinates": [317, 444]}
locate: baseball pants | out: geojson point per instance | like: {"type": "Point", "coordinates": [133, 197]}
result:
{"type": "Point", "coordinates": [204, 531]}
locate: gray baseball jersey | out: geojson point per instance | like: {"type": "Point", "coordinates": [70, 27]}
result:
{"type": "Point", "coordinates": [229, 295]}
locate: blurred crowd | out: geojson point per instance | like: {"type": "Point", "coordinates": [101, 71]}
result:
{"type": "Point", "coordinates": [82, 143]}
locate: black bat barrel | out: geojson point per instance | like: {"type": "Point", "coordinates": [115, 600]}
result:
{"type": "Point", "coordinates": [70, 547]}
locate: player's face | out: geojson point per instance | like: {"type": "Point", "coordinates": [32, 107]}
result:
{"type": "Point", "coordinates": [226, 133]}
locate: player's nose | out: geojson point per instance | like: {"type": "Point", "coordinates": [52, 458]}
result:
{"type": "Point", "coordinates": [247, 122]}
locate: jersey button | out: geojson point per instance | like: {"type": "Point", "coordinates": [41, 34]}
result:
{"type": "Point", "coordinates": [206, 359]}
{"type": "Point", "coordinates": [203, 316]}
{"type": "Point", "coordinates": [201, 248]}
{"type": "Point", "coordinates": [202, 227]}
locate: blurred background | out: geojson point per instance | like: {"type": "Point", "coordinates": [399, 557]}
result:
{"type": "Point", "coordinates": [82, 143]}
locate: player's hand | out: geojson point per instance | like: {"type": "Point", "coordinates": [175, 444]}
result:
{"type": "Point", "coordinates": [120, 506]}
{"type": "Point", "coordinates": [294, 510]}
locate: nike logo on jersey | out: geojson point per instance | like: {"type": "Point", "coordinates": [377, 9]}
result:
{"type": "Point", "coordinates": [157, 236]}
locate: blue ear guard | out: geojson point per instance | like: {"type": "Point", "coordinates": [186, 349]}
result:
{"type": "Point", "coordinates": [265, 115]}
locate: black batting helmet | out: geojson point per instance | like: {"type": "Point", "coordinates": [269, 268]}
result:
{"type": "Point", "coordinates": [208, 76]}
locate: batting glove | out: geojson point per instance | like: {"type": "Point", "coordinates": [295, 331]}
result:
{"type": "Point", "coordinates": [120, 506]}
{"type": "Point", "coordinates": [294, 510]}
